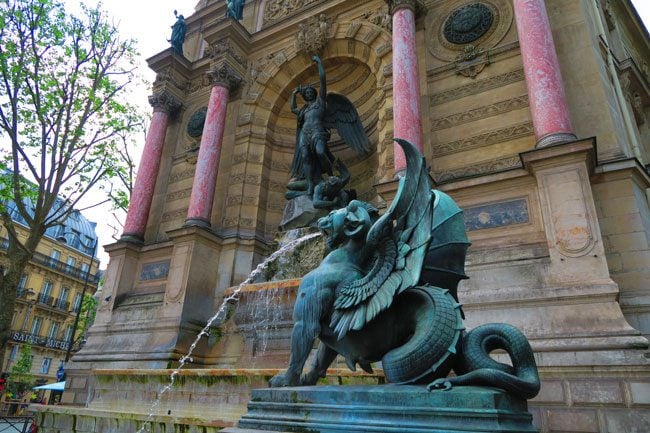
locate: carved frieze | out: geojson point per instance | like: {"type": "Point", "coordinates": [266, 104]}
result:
{"type": "Point", "coordinates": [477, 86]}
{"type": "Point", "coordinates": [278, 9]}
{"type": "Point", "coordinates": [313, 35]}
{"type": "Point", "coordinates": [180, 176]}
{"type": "Point", "coordinates": [496, 136]}
{"type": "Point", "coordinates": [174, 215]}
{"type": "Point", "coordinates": [480, 113]}
{"type": "Point", "coordinates": [483, 168]}
{"type": "Point", "coordinates": [178, 194]}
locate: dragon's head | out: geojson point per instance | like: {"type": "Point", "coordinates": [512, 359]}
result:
{"type": "Point", "coordinates": [350, 222]}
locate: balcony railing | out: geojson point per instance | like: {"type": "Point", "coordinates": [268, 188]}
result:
{"type": "Point", "coordinates": [55, 264]}
{"type": "Point", "coordinates": [36, 340]}
{"type": "Point", "coordinates": [62, 304]}
{"type": "Point", "coordinates": [45, 299]}
{"type": "Point", "coordinates": [21, 293]}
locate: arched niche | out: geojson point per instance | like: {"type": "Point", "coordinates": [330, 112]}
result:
{"type": "Point", "coordinates": [356, 66]}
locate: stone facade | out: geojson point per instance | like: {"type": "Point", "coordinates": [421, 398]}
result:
{"type": "Point", "coordinates": [560, 226]}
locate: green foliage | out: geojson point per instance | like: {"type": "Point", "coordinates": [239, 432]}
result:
{"type": "Point", "coordinates": [86, 315]}
{"type": "Point", "coordinates": [65, 122]}
{"type": "Point", "coordinates": [20, 377]}
{"type": "Point", "coordinates": [63, 83]}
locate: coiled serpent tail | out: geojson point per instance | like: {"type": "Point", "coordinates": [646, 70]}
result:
{"type": "Point", "coordinates": [520, 380]}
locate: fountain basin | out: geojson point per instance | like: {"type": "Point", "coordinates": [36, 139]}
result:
{"type": "Point", "coordinates": [121, 399]}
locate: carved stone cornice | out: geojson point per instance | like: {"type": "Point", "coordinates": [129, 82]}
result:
{"type": "Point", "coordinates": [223, 74]}
{"type": "Point", "coordinates": [164, 101]}
{"type": "Point", "coordinates": [395, 5]}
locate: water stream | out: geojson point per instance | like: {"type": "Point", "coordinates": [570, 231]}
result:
{"type": "Point", "coordinates": [232, 298]}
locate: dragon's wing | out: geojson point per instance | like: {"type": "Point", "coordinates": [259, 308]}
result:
{"type": "Point", "coordinates": [342, 115]}
{"type": "Point", "coordinates": [401, 237]}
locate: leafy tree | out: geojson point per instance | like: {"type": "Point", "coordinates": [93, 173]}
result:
{"type": "Point", "coordinates": [86, 316]}
{"type": "Point", "coordinates": [20, 377]}
{"type": "Point", "coordinates": [63, 82]}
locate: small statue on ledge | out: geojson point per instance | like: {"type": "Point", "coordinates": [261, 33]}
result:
{"type": "Point", "coordinates": [313, 158]}
{"type": "Point", "coordinates": [178, 34]}
{"type": "Point", "coordinates": [235, 9]}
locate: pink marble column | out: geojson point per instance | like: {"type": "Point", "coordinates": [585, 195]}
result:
{"type": "Point", "coordinates": [136, 219]}
{"type": "Point", "coordinates": [407, 117]}
{"type": "Point", "coordinates": [548, 105]}
{"type": "Point", "coordinates": [207, 164]}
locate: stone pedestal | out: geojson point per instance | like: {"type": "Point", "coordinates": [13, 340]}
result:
{"type": "Point", "coordinates": [300, 212]}
{"type": "Point", "coordinates": [384, 408]}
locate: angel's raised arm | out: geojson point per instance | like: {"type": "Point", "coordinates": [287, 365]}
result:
{"type": "Point", "coordinates": [321, 75]}
{"type": "Point", "coordinates": [294, 104]}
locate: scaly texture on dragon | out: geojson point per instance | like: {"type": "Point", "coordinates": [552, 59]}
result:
{"type": "Point", "coordinates": [387, 292]}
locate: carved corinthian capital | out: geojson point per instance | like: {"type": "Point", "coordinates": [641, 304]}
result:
{"type": "Point", "coordinates": [164, 101]}
{"type": "Point", "coordinates": [222, 74]}
{"type": "Point", "coordinates": [394, 5]}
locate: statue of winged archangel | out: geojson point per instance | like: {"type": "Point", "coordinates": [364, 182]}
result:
{"type": "Point", "coordinates": [322, 112]}
{"type": "Point", "coordinates": [387, 291]}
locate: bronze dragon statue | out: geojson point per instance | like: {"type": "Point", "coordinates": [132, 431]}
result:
{"type": "Point", "coordinates": [387, 292]}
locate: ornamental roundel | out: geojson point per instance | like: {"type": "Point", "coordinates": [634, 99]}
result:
{"type": "Point", "coordinates": [195, 124]}
{"type": "Point", "coordinates": [455, 24]}
{"type": "Point", "coordinates": [468, 23]}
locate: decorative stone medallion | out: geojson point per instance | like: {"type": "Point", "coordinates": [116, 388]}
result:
{"type": "Point", "coordinates": [467, 24]}
{"type": "Point", "coordinates": [196, 122]}
{"type": "Point", "coordinates": [454, 24]}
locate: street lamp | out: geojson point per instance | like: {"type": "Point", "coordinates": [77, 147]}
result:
{"type": "Point", "coordinates": [92, 247]}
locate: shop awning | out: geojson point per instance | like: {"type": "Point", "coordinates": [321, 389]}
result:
{"type": "Point", "coordinates": [58, 386]}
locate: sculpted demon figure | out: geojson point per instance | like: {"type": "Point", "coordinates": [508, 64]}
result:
{"type": "Point", "coordinates": [387, 291]}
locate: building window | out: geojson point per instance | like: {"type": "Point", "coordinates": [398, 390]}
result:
{"type": "Point", "coordinates": [76, 305]}
{"type": "Point", "coordinates": [71, 262]}
{"type": "Point", "coordinates": [47, 288]}
{"type": "Point", "coordinates": [14, 353]}
{"type": "Point", "coordinates": [23, 282]}
{"type": "Point", "coordinates": [85, 267]}
{"type": "Point", "coordinates": [45, 367]}
{"type": "Point", "coordinates": [68, 334]}
{"type": "Point", "coordinates": [54, 330]}
{"type": "Point", "coordinates": [36, 326]}
{"type": "Point", "coordinates": [64, 294]}
{"type": "Point", "coordinates": [55, 256]}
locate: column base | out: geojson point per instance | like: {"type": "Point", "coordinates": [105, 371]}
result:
{"type": "Point", "coordinates": [197, 222]}
{"type": "Point", "coordinates": [132, 238]}
{"type": "Point", "coordinates": [555, 138]}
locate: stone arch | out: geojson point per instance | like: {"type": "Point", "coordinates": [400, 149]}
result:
{"type": "Point", "coordinates": [359, 50]}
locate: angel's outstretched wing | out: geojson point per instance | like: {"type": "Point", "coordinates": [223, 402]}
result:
{"type": "Point", "coordinates": [342, 115]}
{"type": "Point", "coordinates": [401, 238]}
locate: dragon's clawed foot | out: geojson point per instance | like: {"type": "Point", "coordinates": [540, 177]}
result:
{"type": "Point", "coordinates": [282, 379]}
{"type": "Point", "coordinates": [443, 384]}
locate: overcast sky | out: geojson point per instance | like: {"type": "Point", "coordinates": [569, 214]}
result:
{"type": "Point", "coordinates": [149, 22]}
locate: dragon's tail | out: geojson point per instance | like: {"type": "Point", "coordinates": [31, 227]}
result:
{"type": "Point", "coordinates": [520, 380]}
